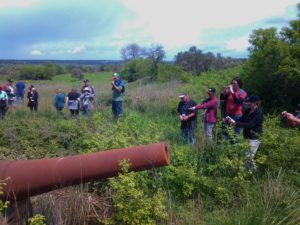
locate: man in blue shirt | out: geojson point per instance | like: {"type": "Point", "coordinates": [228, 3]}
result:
{"type": "Point", "coordinates": [118, 87]}
{"type": "Point", "coordinates": [20, 91]}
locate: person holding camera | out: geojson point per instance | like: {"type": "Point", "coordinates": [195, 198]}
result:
{"type": "Point", "coordinates": [231, 102]}
{"type": "Point", "coordinates": [293, 120]}
{"type": "Point", "coordinates": [210, 106]}
{"type": "Point", "coordinates": [252, 124]}
{"type": "Point", "coordinates": [187, 117]}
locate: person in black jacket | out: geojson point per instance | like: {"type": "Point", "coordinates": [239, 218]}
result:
{"type": "Point", "coordinates": [188, 118]}
{"type": "Point", "coordinates": [252, 124]}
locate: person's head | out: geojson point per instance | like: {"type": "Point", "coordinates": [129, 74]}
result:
{"type": "Point", "coordinates": [31, 88]}
{"type": "Point", "coordinates": [86, 90]}
{"type": "Point", "coordinates": [184, 97]}
{"type": "Point", "coordinates": [116, 76]}
{"type": "Point", "coordinates": [73, 90]}
{"type": "Point", "coordinates": [86, 82]}
{"type": "Point", "coordinates": [58, 90]}
{"type": "Point", "coordinates": [211, 91]}
{"type": "Point", "coordinates": [252, 101]}
{"type": "Point", "coordinates": [236, 83]}
{"type": "Point", "coordinates": [9, 81]}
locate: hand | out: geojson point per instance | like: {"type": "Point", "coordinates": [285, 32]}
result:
{"type": "Point", "coordinates": [230, 120]}
{"type": "Point", "coordinates": [192, 108]}
{"type": "Point", "coordinates": [113, 83]}
{"type": "Point", "coordinates": [231, 89]}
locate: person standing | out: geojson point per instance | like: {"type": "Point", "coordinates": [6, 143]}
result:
{"type": "Point", "coordinates": [188, 118]}
{"type": "Point", "coordinates": [73, 102]}
{"type": "Point", "coordinates": [3, 103]}
{"type": "Point", "coordinates": [252, 124]}
{"type": "Point", "coordinates": [86, 99]}
{"type": "Point", "coordinates": [20, 86]}
{"type": "Point", "coordinates": [210, 106]}
{"type": "Point", "coordinates": [232, 98]}
{"type": "Point", "coordinates": [118, 88]}
{"type": "Point", "coordinates": [10, 91]}
{"type": "Point", "coordinates": [88, 86]}
{"type": "Point", "coordinates": [33, 99]}
{"type": "Point", "coordinates": [59, 101]}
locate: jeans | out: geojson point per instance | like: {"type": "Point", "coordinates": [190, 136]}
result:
{"type": "Point", "coordinates": [250, 153]}
{"type": "Point", "coordinates": [188, 133]}
{"type": "Point", "coordinates": [208, 128]}
{"type": "Point", "coordinates": [117, 109]}
{"type": "Point", "coordinates": [85, 110]}
{"type": "Point", "coordinates": [21, 96]}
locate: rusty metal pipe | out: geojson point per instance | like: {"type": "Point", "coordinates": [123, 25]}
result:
{"type": "Point", "coordinates": [32, 177]}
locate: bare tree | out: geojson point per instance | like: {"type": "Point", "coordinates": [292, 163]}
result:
{"type": "Point", "coordinates": [156, 54]}
{"type": "Point", "coordinates": [131, 52]}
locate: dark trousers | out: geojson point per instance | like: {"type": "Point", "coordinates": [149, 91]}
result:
{"type": "Point", "coordinates": [117, 109]}
{"type": "Point", "coordinates": [3, 109]}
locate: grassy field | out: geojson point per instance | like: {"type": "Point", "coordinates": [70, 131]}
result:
{"type": "Point", "coordinates": [203, 185]}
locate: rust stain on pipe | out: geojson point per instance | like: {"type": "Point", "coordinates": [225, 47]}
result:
{"type": "Point", "coordinates": [32, 177]}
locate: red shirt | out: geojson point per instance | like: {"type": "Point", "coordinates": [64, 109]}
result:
{"type": "Point", "coordinates": [233, 107]}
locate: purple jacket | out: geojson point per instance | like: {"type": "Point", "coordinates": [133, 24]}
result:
{"type": "Point", "coordinates": [211, 106]}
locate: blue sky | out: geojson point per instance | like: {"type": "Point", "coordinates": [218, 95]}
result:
{"type": "Point", "coordinates": [98, 29]}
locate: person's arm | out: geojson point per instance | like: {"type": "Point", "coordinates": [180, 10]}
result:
{"type": "Point", "coordinates": [292, 118]}
{"type": "Point", "coordinates": [206, 105]}
{"type": "Point", "coordinates": [258, 117]}
{"type": "Point", "coordinates": [118, 88]}
{"type": "Point", "coordinates": [240, 99]}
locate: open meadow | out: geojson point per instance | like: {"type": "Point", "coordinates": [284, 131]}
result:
{"type": "Point", "coordinates": [205, 184]}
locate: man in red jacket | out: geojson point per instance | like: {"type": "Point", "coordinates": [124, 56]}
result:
{"type": "Point", "coordinates": [210, 106]}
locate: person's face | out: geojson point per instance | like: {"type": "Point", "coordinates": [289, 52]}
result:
{"type": "Point", "coordinates": [210, 94]}
{"type": "Point", "coordinates": [86, 83]}
{"type": "Point", "coordinates": [234, 84]}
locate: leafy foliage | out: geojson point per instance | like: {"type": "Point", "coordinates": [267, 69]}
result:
{"type": "Point", "coordinates": [273, 68]}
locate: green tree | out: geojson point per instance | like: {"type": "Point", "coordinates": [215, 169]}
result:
{"type": "Point", "coordinates": [273, 68]}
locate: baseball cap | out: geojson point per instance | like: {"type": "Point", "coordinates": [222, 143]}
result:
{"type": "Point", "coordinates": [117, 75]}
{"type": "Point", "coordinates": [252, 98]}
{"type": "Point", "coordinates": [182, 95]}
{"type": "Point", "coordinates": [212, 90]}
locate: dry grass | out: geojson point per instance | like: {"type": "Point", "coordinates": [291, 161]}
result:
{"type": "Point", "coordinates": [71, 206]}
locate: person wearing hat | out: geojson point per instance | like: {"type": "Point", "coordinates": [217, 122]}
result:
{"type": "Point", "coordinates": [252, 124]}
{"type": "Point", "coordinates": [210, 106]}
{"type": "Point", "coordinates": [91, 89]}
{"type": "Point", "coordinates": [118, 88]}
{"type": "Point", "coordinates": [293, 120]}
{"type": "Point", "coordinates": [86, 99]}
{"type": "Point", "coordinates": [188, 118]}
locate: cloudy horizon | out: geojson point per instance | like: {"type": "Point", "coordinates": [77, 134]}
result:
{"type": "Point", "coordinates": [98, 29]}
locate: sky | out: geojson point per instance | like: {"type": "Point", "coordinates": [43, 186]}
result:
{"type": "Point", "coordinates": [99, 29]}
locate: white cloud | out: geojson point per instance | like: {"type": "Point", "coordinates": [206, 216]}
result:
{"type": "Point", "coordinates": [77, 50]}
{"type": "Point", "coordinates": [17, 3]}
{"type": "Point", "coordinates": [240, 44]}
{"type": "Point", "coordinates": [36, 53]}
{"type": "Point", "coordinates": [176, 23]}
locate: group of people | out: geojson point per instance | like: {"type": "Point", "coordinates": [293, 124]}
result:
{"type": "Point", "coordinates": [237, 109]}
{"type": "Point", "coordinates": [83, 101]}
{"type": "Point", "coordinates": [75, 101]}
